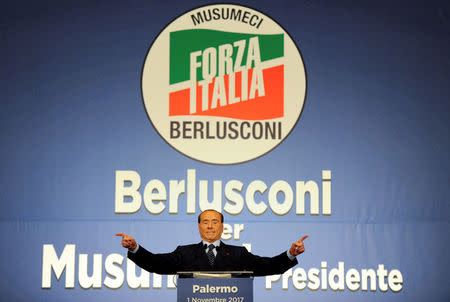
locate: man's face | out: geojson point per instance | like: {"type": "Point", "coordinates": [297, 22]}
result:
{"type": "Point", "coordinates": [210, 226]}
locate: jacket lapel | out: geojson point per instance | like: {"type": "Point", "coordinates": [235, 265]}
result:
{"type": "Point", "coordinates": [202, 258]}
{"type": "Point", "coordinates": [222, 256]}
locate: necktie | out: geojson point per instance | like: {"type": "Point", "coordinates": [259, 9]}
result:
{"type": "Point", "coordinates": [210, 254]}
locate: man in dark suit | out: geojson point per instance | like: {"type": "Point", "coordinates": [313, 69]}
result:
{"type": "Point", "coordinates": [211, 254]}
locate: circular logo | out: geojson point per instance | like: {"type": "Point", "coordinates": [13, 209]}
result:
{"type": "Point", "coordinates": [223, 84]}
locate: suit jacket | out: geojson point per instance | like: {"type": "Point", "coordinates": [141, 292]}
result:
{"type": "Point", "coordinates": [193, 258]}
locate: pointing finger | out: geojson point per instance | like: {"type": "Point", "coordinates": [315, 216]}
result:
{"type": "Point", "coordinates": [303, 238]}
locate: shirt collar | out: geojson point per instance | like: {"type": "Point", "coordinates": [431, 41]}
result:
{"type": "Point", "coordinates": [216, 243]}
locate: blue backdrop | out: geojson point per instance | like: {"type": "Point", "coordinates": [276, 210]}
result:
{"type": "Point", "coordinates": [376, 116]}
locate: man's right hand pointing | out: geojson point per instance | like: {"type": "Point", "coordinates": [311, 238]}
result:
{"type": "Point", "coordinates": [128, 241]}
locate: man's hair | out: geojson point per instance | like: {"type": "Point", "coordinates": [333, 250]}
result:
{"type": "Point", "coordinates": [221, 216]}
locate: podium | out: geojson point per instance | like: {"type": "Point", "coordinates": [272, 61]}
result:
{"type": "Point", "coordinates": [231, 286]}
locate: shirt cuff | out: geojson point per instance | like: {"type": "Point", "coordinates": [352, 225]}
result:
{"type": "Point", "coordinates": [289, 255]}
{"type": "Point", "coordinates": [135, 250]}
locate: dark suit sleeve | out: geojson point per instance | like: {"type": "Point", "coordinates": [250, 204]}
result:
{"type": "Point", "coordinates": [168, 263]}
{"type": "Point", "coordinates": [264, 266]}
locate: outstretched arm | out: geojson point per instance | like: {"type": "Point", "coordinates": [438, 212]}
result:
{"type": "Point", "coordinates": [167, 263]}
{"type": "Point", "coordinates": [263, 266]}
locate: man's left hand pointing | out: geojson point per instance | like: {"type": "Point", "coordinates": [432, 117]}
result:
{"type": "Point", "coordinates": [297, 247]}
